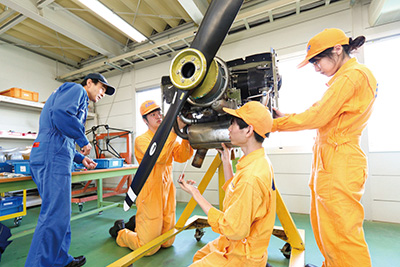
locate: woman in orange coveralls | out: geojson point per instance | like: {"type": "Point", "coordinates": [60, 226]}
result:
{"type": "Point", "coordinates": [246, 222]}
{"type": "Point", "coordinates": [156, 203]}
{"type": "Point", "coordinates": [339, 167]}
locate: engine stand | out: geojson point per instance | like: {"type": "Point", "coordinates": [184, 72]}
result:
{"type": "Point", "coordinates": [294, 249]}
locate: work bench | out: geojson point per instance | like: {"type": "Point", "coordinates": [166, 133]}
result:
{"type": "Point", "coordinates": [26, 182]}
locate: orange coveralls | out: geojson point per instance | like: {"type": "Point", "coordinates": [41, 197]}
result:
{"type": "Point", "coordinates": [339, 169]}
{"type": "Point", "coordinates": [247, 219]}
{"type": "Point", "coordinates": [155, 203]}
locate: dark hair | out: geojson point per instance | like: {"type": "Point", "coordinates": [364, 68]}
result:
{"type": "Point", "coordinates": [84, 82]}
{"type": "Point", "coordinates": [145, 115]}
{"type": "Point", "coordinates": [348, 49]}
{"type": "Point", "coordinates": [242, 124]}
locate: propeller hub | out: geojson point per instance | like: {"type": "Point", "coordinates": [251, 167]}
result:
{"type": "Point", "coordinates": [188, 69]}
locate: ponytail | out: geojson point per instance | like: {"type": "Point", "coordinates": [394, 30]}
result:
{"type": "Point", "coordinates": [354, 44]}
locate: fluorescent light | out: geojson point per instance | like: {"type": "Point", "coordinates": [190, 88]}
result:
{"type": "Point", "coordinates": [114, 19]}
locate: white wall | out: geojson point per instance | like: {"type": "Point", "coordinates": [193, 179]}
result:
{"type": "Point", "coordinates": [22, 69]}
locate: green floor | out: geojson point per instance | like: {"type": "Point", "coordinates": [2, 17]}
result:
{"type": "Point", "coordinates": [90, 238]}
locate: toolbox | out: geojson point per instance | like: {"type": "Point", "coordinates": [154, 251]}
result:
{"type": "Point", "coordinates": [5, 167]}
{"type": "Point", "coordinates": [109, 163]}
{"type": "Point", "coordinates": [21, 93]}
{"type": "Point", "coordinates": [21, 166]}
{"type": "Point", "coordinates": [10, 205]}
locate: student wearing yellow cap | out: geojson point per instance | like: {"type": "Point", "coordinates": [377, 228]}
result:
{"type": "Point", "coordinates": [156, 202]}
{"type": "Point", "coordinates": [246, 222]}
{"type": "Point", "coordinates": [339, 167]}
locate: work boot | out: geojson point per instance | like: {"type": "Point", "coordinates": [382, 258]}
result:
{"type": "Point", "coordinates": [77, 261]}
{"type": "Point", "coordinates": [118, 225]}
{"type": "Point", "coordinates": [131, 224]}
{"type": "Point", "coordinates": [310, 265]}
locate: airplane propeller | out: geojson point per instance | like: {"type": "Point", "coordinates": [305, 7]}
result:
{"type": "Point", "coordinates": [189, 70]}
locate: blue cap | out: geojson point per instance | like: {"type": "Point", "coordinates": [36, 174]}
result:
{"type": "Point", "coordinates": [110, 89]}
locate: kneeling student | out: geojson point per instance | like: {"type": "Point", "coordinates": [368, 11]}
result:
{"type": "Point", "coordinates": [156, 202]}
{"type": "Point", "coordinates": [246, 222]}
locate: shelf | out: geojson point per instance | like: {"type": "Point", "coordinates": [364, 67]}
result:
{"type": "Point", "coordinates": [20, 103]}
{"type": "Point", "coordinates": [18, 137]}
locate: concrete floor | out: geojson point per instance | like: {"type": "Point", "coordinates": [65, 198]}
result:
{"type": "Point", "coordinates": [90, 238]}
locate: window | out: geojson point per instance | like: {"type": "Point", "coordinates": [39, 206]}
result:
{"type": "Point", "coordinates": [300, 89]}
{"type": "Point", "coordinates": [382, 57]}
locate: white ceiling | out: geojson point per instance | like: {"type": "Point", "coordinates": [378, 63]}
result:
{"type": "Point", "coordinates": [68, 32]}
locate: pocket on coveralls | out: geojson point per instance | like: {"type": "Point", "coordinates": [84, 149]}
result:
{"type": "Point", "coordinates": [356, 172]}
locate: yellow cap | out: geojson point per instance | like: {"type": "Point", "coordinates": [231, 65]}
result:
{"type": "Point", "coordinates": [326, 39]}
{"type": "Point", "coordinates": [255, 114]}
{"type": "Point", "coordinates": [148, 106]}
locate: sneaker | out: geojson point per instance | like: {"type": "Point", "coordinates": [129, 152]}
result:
{"type": "Point", "coordinates": [311, 265]}
{"type": "Point", "coordinates": [118, 225]}
{"type": "Point", "coordinates": [77, 261]}
{"type": "Point", "coordinates": [131, 224]}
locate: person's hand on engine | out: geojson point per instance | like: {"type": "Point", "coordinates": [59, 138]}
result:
{"type": "Point", "coordinates": [181, 124]}
{"type": "Point", "coordinates": [277, 113]}
{"type": "Point", "coordinates": [225, 153]}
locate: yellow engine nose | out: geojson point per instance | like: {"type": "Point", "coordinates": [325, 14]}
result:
{"type": "Point", "coordinates": [188, 69]}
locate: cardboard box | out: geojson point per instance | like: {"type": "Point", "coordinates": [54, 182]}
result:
{"type": "Point", "coordinates": [21, 93]}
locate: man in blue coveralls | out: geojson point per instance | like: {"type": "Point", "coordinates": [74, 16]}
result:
{"type": "Point", "coordinates": [61, 125]}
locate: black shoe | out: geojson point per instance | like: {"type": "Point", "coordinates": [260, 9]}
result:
{"type": "Point", "coordinates": [118, 225]}
{"type": "Point", "coordinates": [268, 265]}
{"type": "Point", "coordinates": [131, 224]}
{"type": "Point", "coordinates": [77, 261]}
{"type": "Point", "coordinates": [311, 265]}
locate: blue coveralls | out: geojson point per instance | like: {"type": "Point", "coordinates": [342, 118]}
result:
{"type": "Point", "coordinates": [61, 124]}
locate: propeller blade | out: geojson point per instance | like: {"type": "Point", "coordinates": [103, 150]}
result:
{"type": "Point", "coordinates": [215, 26]}
{"type": "Point", "coordinates": [155, 147]}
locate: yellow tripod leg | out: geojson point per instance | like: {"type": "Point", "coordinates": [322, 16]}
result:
{"type": "Point", "coordinates": [289, 233]}
{"type": "Point", "coordinates": [221, 182]}
{"type": "Point", "coordinates": [183, 223]}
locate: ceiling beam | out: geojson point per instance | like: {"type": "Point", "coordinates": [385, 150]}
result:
{"type": "Point", "coordinates": [6, 14]}
{"type": "Point", "coordinates": [43, 3]}
{"type": "Point", "coordinates": [195, 8]}
{"type": "Point", "coordinates": [15, 21]}
{"type": "Point", "coordinates": [66, 23]}
{"type": "Point", "coordinates": [37, 49]}
{"type": "Point", "coordinates": [136, 52]}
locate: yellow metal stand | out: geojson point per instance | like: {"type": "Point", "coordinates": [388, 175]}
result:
{"type": "Point", "coordinates": [294, 237]}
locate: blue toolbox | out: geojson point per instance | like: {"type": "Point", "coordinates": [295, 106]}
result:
{"type": "Point", "coordinates": [109, 163]}
{"type": "Point", "coordinates": [10, 205]}
{"type": "Point", "coordinates": [22, 167]}
{"type": "Point", "coordinates": [5, 167]}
